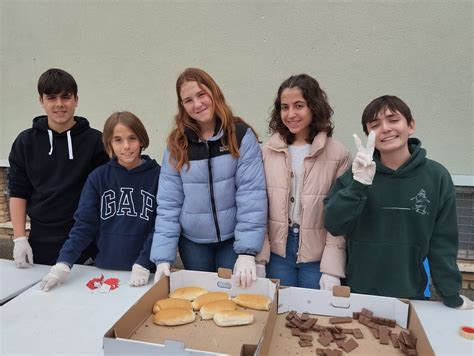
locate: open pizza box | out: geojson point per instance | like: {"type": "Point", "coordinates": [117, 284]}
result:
{"type": "Point", "coordinates": [135, 333]}
{"type": "Point", "coordinates": [323, 304]}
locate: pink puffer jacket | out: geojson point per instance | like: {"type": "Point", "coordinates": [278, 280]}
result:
{"type": "Point", "coordinates": [328, 159]}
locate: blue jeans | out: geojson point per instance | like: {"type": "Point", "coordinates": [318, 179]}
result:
{"type": "Point", "coordinates": [427, 270]}
{"type": "Point", "coordinates": [290, 273]}
{"type": "Point", "coordinates": [207, 257]}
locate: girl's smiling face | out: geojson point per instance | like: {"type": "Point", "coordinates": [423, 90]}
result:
{"type": "Point", "coordinates": [198, 104]}
{"type": "Point", "coordinates": [126, 146]}
{"type": "Point", "coordinates": [295, 113]}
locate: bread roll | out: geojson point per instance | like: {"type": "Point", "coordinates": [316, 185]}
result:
{"type": "Point", "coordinates": [208, 310]}
{"type": "Point", "coordinates": [253, 301]}
{"type": "Point", "coordinates": [189, 293]}
{"type": "Point", "coordinates": [209, 297]}
{"type": "Point", "coordinates": [174, 316]}
{"type": "Point", "coordinates": [171, 303]}
{"type": "Point", "coordinates": [233, 318]}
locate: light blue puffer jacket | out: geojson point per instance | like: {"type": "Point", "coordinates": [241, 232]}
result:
{"type": "Point", "coordinates": [215, 198]}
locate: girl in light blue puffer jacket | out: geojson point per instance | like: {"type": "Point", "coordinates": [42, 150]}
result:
{"type": "Point", "coordinates": [212, 202]}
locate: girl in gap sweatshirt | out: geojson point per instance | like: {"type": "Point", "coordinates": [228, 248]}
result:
{"type": "Point", "coordinates": [117, 206]}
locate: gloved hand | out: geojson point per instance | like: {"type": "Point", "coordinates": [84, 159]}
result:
{"type": "Point", "coordinates": [261, 272]}
{"type": "Point", "coordinates": [22, 252]}
{"type": "Point", "coordinates": [58, 274]}
{"type": "Point", "coordinates": [467, 303]}
{"type": "Point", "coordinates": [139, 276]}
{"type": "Point", "coordinates": [328, 281]}
{"type": "Point", "coordinates": [363, 166]}
{"type": "Point", "coordinates": [245, 270]}
{"type": "Point", "coordinates": [162, 269]}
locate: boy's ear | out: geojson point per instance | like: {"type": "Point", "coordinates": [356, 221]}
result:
{"type": "Point", "coordinates": [412, 126]}
{"type": "Point", "coordinates": [41, 100]}
{"type": "Point", "coordinates": [77, 100]}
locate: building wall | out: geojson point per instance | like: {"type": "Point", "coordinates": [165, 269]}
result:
{"type": "Point", "coordinates": [4, 211]}
{"type": "Point", "coordinates": [126, 55]}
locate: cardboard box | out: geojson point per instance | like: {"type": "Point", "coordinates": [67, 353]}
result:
{"type": "Point", "coordinates": [135, 333]}
{"type": "Point", "coordinates": [323, 304]}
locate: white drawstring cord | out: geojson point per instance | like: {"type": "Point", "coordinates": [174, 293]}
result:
{"type": "Point", "coordinates": [50, 134]}
{"type": "Point", "coordinates": [69, 144]}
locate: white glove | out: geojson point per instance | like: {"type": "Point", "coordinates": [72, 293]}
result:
{"type": "Point", "coordinates": [22, 252]}
{"type": "Point", "coordinates": [162, 269]}
{"type": "Point", "coordinates": [58, 274]}
{"type": "Point", "coordinates": [139, 276]}
{"type": "Point", "coordinates": [261, 272]}
{"type": "Point", "coordinates": [328, 281]}
{"type": "Point", "coordinates": [467, 303]}
{"type": "Point", "coordinates": [245, 270]}
{"type": "Point", "coordinates": [363, 166]}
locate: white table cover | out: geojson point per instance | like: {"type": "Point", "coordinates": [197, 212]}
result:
{"type": "Point", "coordinates": [15, 280]}
{"type": "Point", "coordinates": [442, 324]}
{"type": "Point", "coordinates": [69, 319]}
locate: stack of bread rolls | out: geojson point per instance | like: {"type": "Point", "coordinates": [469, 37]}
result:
{"type": "Point", "coordinates": [179, 308]}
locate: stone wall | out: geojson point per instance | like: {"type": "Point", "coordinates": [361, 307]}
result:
{"type": "Point", "coordinates": [4, 213]}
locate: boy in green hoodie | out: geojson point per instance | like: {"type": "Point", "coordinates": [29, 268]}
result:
{"type": "Point", "coordinates": [396, 207]}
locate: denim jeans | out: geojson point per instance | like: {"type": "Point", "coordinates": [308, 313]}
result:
{"type": "Point", "coordinates": [427, 270]}
{"type": "Point", "coordinates": [207, 257]}
{"type": "Point", "coordinates": [290, 273]}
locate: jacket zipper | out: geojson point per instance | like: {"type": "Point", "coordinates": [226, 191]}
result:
{"type": "Point", "coordinates": [305, 175]}
{"type": "Point", "coordinates": [288, 182]}
{"type": "Point", "coordinates": [211, 189]}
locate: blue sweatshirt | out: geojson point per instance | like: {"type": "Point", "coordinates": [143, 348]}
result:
{"type": "Point", "coordinates": [118, 209]}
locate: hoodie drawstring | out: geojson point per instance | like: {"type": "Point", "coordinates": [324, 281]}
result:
{"type": "Point", "coordinates": [50, 134]}
{"type": "Point", "coordinates": [69, 144]}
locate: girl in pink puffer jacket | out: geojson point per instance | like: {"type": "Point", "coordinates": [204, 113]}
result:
{"type": "Point", "coordinates": [301, 163]}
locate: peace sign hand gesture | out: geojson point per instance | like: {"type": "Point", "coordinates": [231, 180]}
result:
{"type": "Point", "coordinates": [363, 167]}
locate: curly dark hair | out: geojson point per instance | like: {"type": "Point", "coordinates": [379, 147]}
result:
{"type": "Point", "coordinates": [317, 102]}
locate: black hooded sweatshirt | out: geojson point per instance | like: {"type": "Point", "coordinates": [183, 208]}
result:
{"type": "Point", "coordinates": [49, 169]}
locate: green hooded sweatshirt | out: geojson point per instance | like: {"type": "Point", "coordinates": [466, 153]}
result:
{"type": "Point", "coordinates": [391, 226]}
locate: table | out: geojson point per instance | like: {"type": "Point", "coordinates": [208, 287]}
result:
{"type": "Point", "coordinates": [441, 325]}
{"type": "Point", "coordinates": [69, 319]}
{"type": "Point", "coordinates": [15, 280]}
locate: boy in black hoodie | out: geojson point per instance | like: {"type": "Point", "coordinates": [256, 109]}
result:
{"type": "Point", "coordinates": [396, 208]}
{"type": "Point", "coordinates": [49, 164]}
